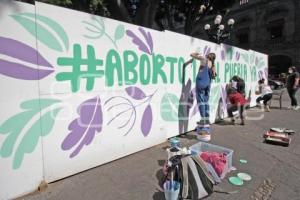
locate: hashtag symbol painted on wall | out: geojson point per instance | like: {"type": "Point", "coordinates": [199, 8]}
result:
{"type": "Point", "coordinates": [77, 63]}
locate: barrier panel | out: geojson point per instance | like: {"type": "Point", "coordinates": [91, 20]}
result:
{"type": "Point", "coordinates": [80, 90]}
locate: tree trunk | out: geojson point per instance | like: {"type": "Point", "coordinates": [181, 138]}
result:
{"type": "Point", "coordinates": [146, 13]}
{"type": "Point", "coordinates": [118, 10]}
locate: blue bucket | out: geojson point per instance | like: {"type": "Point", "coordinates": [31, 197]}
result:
{"type": "Point", "coordinates": [175, 142]}
{"type": "Point", "coordinates": [171, 190]}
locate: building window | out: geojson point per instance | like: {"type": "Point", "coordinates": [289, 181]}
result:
{"type": "Point", "coordinates": [276, 32]}
{"type": "Point", "coordinates": [242, 2]}
{"type": "Point", "coordinates": [275, 29]}
{"type": "Point", "coordinates": [243, 38]}
{"type": "Point", "coordinates": [243, 35]}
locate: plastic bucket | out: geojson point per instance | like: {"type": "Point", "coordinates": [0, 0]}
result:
{"type": "Point", "coordinates": [171, 190]}
{"type": "Point", "coordinates": [175, 142]}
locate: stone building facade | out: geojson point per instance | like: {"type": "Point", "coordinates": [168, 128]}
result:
{"type": "Point", "coordinates": [268, 26]}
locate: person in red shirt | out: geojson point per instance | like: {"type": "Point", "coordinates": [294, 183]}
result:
{"type": "Point", "coordinates": [237, 102]}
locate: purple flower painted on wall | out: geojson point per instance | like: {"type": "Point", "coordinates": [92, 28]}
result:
{"type": "Point", "coordinates": [206, 50]}
{"type": "Point", "coordinates": [147, 46]}
{"type": "Point", "coordinates": [261, 67]}
{"type": "Point", "coordinates": [22, 52]}
{"type": "Point", "coordinates": [135, 93]}
{"type": "Point", "coordinates": [84, 128]}
{"type": "Point", "coordinates": [263, 73]}
{"type": "Point", "coordinates": [223, 54]}
{"type": "Point", "coordinates": [227, 53]}
{"type": "Point", "coordinates": [257, 62]}
{"type": "Point", "coordinates": [237, 56]}
{"type": "Point", "coordinates": [146, 121]}
{"type": "Point", "coordinates": [138, 95]}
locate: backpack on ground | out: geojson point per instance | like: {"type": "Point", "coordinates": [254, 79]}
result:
{"type": "Point", "coordinates": [191, 172]}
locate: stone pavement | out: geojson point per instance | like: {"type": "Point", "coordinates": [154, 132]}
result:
{"type": "Point", "coordinates": [275, 170]}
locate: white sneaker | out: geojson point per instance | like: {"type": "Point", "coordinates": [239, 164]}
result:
{"type": "Point", "coordinates": [296, 107]}
{"type": "Point", "coordinates": [290, 107]}
{"type": "Point", "coordinates": [204, 137]}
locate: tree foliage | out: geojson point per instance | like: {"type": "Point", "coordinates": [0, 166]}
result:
{"type": "Point", "coordinates": [176, 15]}
{"type": "Point", "coordinates": [168, 14]}
{"type": "Point", "coordinates": [97, 7]}
{"type": "Point", "coordinates": [91, 6]}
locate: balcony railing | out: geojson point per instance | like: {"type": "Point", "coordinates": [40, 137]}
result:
{"type": "Point", "coordinates": [277, 41]}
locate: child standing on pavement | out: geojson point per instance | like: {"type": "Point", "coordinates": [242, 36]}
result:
{"type": "Point", "coordinates": [204, 77]}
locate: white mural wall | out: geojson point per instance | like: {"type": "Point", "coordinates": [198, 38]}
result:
{"type": "Point", "coordinates": [80, 90]}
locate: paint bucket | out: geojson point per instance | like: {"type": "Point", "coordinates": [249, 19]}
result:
{"type": "Point", "coordinates": [171, 190]}
{"type": "Point", "coordinates": [174, 142]}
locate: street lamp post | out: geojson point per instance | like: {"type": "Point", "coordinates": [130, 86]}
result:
{"type": "Point", "coordinates": [217, 33]}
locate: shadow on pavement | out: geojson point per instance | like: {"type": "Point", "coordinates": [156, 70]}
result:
{"type": "Point", "coordinates": [223, 123]}
{"type": "Point", "coordinates": [161, 162]}
{"type": "Point", "coordinates": [275, 143]}
{"type": "Point", "coordinates": [188, 136]}
{"type": "Point", "coordinates": [278, 108]}
{"type": "Point", "coordinates": [159, 195]}
{"type": "Point", "coordinates": [165, 147]}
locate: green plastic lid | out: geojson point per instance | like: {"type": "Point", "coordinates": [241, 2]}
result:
{"type": "Point", "coordinates": [236, 181]}
{"type": "Point", "coordinates": [244, 176]}
{"type": "Point", "coordinates": [243, 161]}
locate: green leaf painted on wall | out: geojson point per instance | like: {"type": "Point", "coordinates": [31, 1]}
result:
{"type": "Point", "coordinates": [98, 32]}
{"type": "Point", "coordinates": [252, 57]}
{"type": "Point", "coordinates": [247, 90]}
{"type": "Point", "coordinates": [14, 126]}
{"type": "Point", "coordinates": [119, 32]}
{"type": "Point", "coordinates": [169, 107]}
{"type": "Point", "coordinates": [260, 65]}
{"type": "Point", "coordinates": [57, 28]}
{"type": "Point", "coordinates": [215, 94]}
{"type": "Point", "coordinates": [31, 137]}
{"type": "Point", "coordinates": [245, 56]}
{"type": "Point", "coordinates": [43, 25]}
{"type": "Point", "coordinates": [96, 28]}
{"type": "Point", "coordinates": [229, 53]}
{"type": "Point", "coordinates": [38, 103]}
{"type": "Point", "coordinates": [100, 23]}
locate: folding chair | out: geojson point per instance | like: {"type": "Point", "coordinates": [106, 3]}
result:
{"type": "Point", "coordinates": [277, 95]}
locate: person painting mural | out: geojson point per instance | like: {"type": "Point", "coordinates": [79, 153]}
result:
{"type": "Point", "coordinates": [239, 84]}
{"type": "Point", "coordinates": [206, 73]}
{"type": "Point", "coordinates": [265, 92]}
{"type": "Point", "coordinates": [237, 103]}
